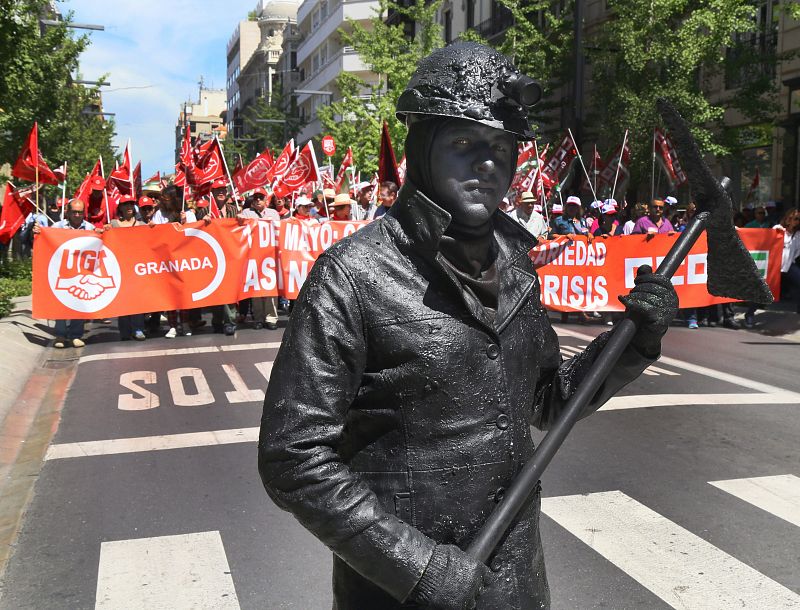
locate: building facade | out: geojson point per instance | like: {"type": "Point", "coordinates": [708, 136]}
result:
{"type": "Point", "coordinates": [254, 59]}
{"type": "Point", "coordinates": [322, 56]}
{"type": "Point", "coordinates": [204, 117]}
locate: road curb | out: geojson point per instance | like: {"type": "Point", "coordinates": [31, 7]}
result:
{"type": "Point", "coordinates": [25, 435]}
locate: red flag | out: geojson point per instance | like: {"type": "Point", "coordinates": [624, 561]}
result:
{"type": "Point", "coordinates": [154, 178]}
{"type": "Point", "coordinates": [61, 172]}
{"type": "Point", "coordinates": [533, 177]}
{"type": "Point", "coordinates": [137, 180]}
{"type": "Point", "coordinates": [559, 164]}
{"type": "Point", "coordinates": [180, 175]}
{"type": "Point", "coordinates": [595, 167]}
{"type": "Point", "coordinates": [16, 207]}
{"type": "Point", "coordinates": [302, 170]}
{"type": "Point", "coordinates": [387, 163]}
{"type": "Point", "coordinates": [85, 189]}
{"type": "Point", "coordinates": [25, 167]}
{"type": "Point", "coordinates": [121, 176]}
{"type": "Point", "coordinates": [283, 161]}
{"type": "Point", "coordinates": [208, 164]}
{"type": "Point", "coordinates": [668, 158]}
{"type": "Point", "coordinates": [185, 156]}
{"type": "Point", "coordinates": [346, 162]}
{"type": "Point", "coordinates": [753, 186]}
{"type": "Point", "coordinates": [255, 174]}
{"type": "Point", "coordinates": [621, 157]}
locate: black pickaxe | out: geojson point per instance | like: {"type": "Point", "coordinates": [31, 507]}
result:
{"type": "Point", "coordinates": [731, 273]}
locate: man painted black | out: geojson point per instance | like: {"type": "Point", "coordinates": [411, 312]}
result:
{"type": "Point", "coordinates": [425, 354]}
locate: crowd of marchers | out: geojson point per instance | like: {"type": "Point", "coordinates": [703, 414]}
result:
{"type": "Point", "coordinates": [568, 216]}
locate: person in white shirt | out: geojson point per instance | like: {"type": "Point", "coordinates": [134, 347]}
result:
{"type": "Point", "coordinates": [365, 210]}
{"type": "Point", "coordinates": [265, 309]}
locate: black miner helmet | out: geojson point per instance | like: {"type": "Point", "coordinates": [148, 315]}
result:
{"type": "Point", "coordinates": [471, 81]}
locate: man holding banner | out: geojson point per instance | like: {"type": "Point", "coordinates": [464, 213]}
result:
{"type": "Point", "coordinates": [423, 355]}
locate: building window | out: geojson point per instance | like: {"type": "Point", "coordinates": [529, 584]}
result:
{"type": "Point", "coordinates": [742, 57]}
{"type": "Point", "coordinates": [448, 25]}
{"type": "Point", "coordinates": [470, 13]}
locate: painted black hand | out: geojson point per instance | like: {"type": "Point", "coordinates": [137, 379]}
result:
{"type": "Point", "coordinates": [452, 581]}
{"type": "Point", "coordinates": [652, 304]}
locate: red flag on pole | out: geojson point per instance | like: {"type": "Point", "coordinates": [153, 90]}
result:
{"type": "Point", "coordinates": [302, 170]}
{"type": "Point", "coordinates": [85, 189]}
{"type": "Point", "coordinates": [29, 158]}
{"type": "Point", "coordinates": [255, 174]}
{"type": "Point", "coordinates": [346, 162]}
{"type": "Point", "coordinates": [621, 157]}
{"type": "Point", "coordinates": [137, 180]}
{"type": "Point", "coordinates": [387, 163]}
{"type": "Point", "coordinates": [121, 175]}
{"type": "Point", "coordinates": [16, 207]}
{"type": "Point", "coordinates": [558, 165]}
{"type": "Point", "coordinates": [60, 172]}
{"type": "Point", "coordinates": [283, 161]}
{"type": "Point", "coordinates": [207, 165]}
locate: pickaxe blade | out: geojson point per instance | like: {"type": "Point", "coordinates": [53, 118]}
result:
{"type": "Point", "coordinates": [732, 273]}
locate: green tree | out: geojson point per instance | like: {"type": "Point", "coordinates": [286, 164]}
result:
{"type": "Point", "coordinates": [357, 117]}
{"type": "Point", "coordinates": [674, 49]}
{"type": "Point", "coordinates": [36, 85]}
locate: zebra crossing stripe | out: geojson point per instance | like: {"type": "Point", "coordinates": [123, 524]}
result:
{"type": "Point", "coordinates": [778, 495]}
{"type": "Point", "coordinates": [676, 565]}
{"type": "Point", "coordinates": [175, 572]}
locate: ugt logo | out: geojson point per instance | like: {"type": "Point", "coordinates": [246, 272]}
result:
{"type": "Point", "coordinates": [84, 274]}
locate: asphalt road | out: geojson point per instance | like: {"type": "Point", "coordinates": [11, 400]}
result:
{"type": "Point", "coordinates": [683, 492]}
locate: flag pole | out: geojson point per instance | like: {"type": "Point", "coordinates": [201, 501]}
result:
{"type": "Point", "coordinates": [619, 162]}
{"type": "Point", "coordinates": [64, 191]}
{"type": "Point", "coordinates": [130, 166]}
{"type": "Point", "coordinates": [230, 179]}
{"type": "Point", "coordinates": [580, 158]}
{"type": "Point", "coordinates": [653, 170]}
{"type": "Point", "coordinates": [594, 171]}
{"type": "Point", "coordinates": [540, 181]}
{"type": "Point", "coordinates": [105, 191]}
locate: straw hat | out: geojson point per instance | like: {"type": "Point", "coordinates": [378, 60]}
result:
{"type": "Point", "coordinates": [340, 200]}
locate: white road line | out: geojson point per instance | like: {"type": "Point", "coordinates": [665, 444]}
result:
{"type": "Point", "coordinates": [165, 572]}
{"type": "Point", "coordinates": [700, 370]}
{"type": "Point", "coordinates": [660, 371]}
{"type": "Point", "coordinates": [677, 400]}
{"type": "Point", "coordinates": [679, 567]}
{"type": "Point", "coordinates": [181, 351]}
{"type": "Point", "coordinates": [151, 443]}
{"type": "Point", "coordinates": [778, 495]}
{"type": "Point", "coordinates": [569, 351]}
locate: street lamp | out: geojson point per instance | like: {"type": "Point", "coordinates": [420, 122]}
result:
{"type": "Point", "coordinates": [98, 83]}
{"type": "Point", "coordinates": [76, 26]}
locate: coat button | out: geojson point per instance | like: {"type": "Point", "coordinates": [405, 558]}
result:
{"type": "Point", "coordinates": [499, 494]}
{"type": "Point", "coordinates": [493, 350]}
{"type": "Point", "coordinates": [502, 421]}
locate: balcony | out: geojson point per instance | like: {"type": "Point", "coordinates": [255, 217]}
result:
{"type": "Point", "coordinates": [346, 60]}
{"type": "Point", "coordinates": [338, 13]}
{"type": "Point", "coordinates": [496, 24]}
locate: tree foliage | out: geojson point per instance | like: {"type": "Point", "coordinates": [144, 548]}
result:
{"type": "Point", "coordinates": [675, 49]}
{"type": "Point", "coordinates": [36, 85]}
{"type": "Point", "coordinates": [356, 119]}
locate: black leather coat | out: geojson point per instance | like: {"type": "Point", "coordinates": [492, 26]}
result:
{"type": "Point", "coordinates": [398, 412]}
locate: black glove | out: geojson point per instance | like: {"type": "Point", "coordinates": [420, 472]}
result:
{"type": "Point", "coordinates": [652, 304]}
{"type": "Point", "coordinates": [452, 581]}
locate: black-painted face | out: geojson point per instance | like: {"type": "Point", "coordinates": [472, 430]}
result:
{"type": "Point", "coordinates": [471, 169]}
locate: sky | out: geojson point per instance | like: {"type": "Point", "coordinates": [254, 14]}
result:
{"type": "Point", "coordinates": [154, 52]}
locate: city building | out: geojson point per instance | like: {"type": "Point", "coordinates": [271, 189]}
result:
{"type": "Point", "coordinates": [774, 153]}
{"type": "Point", "coordinates": [205, 116]}
{"type": "Point", "coordinates": [243, 43]}
{"type": "Point", "coordinates": [321, 55]}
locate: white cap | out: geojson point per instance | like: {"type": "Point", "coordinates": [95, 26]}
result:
{"type": "Point", "coordinates": [361, 186]}
{"type": "Point", "coordinates": [596, 204]}
{"type": "Point", "coordinates": [573, 199]}
{"type": "Point", "coordinates": [537, 207]}
{"type": "Point", "coordinates": [670, 200]}
{"type": "Point", "coordinates": [611, 202]}
{"type": "Point", "coordinates": [558, 208]}
{"type": "Point", "coordinates": [608, 209]}
{"type": "Point", "coordinates": [302, 200]}
{"type": "Point", "coordinates": [770, 204]}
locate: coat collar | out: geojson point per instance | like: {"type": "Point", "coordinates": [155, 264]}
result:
{"type": "Point", "coordinates": [422, 225]}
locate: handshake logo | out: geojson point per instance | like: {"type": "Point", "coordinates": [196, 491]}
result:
{"type": "Point", "coordinates": [84, 274]}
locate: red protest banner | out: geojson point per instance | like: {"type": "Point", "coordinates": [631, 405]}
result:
{"type": "Point", "coordinates": [80, 274]}
{"type": "Point", "coordinates": [589, 276]}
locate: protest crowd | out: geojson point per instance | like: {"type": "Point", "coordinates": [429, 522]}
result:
{"type": "Point", "coordinates": [293, 186]}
